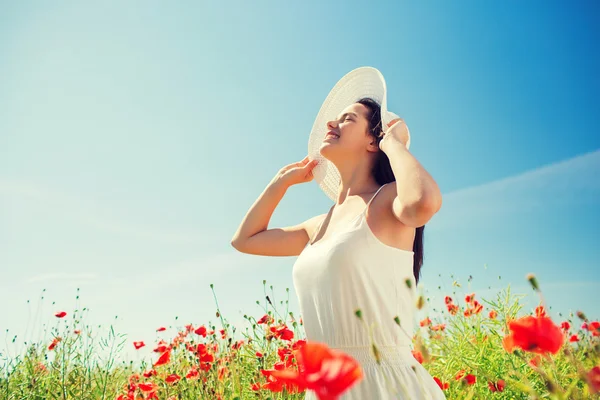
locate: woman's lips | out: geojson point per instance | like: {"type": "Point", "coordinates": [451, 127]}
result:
{"type": "Point", "coordinates": [331, 135]}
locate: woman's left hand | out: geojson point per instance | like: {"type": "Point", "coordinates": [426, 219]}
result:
{"type": "Point", "coordinates": [397, 131]}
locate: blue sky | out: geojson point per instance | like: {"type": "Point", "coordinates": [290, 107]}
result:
{"type": "Point", "coordinates": [134, 138]}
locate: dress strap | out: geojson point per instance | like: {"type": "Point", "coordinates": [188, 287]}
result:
{"type": "Point", "coordinates": [367, 206]}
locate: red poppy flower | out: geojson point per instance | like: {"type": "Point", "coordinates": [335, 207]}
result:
{"type": "Point", "coordinates": [574, 338]}
{"type": "Point", "coordinates": [493, 314]}
{"type": "Point", "coordinates": [459, 375]}
{"type": "Point", "coordinates": [593, 379]}
{"type": "Point", "coordinates": [565, 326]}
{"type": "Point", "coordinates": [60, 314]}
{"type": "Point", "coordinates": [162, 328]}
{"type": "Point", "coordinates": [540, 311]}
{"type": "Point", "coordinates": [148, 387]}
{"type": "Point", "coordinates": [264, 320]}
{"type": "Point", "coordinates": [327, 372]}
{"type": "Point", "coordinates": [150, 373]}
{"type": "Point", "coordinates": [161, 347]}
{"type": "Point", "coordinates": [537, 335]}
{"type": "Point", "coordinates": [138, 345]}
{"type": "Point", "coordinates": [594, 327]}
{"type": "Point", "coordinates": [470, 379]}
{"type": "Point", "coordinates": [54, 343]}
{"type": "Point", "coordinates": [282, 332]}
{"type": "Point", "coordinates": [418, 356]}
{"type": "Point", "coordinates": [192, 373]}
{"type": "Point", "coordinates": [201, 331]}
{"type": "Point", "coordinates": [173, 378]}
{"type": "Point", "coordinates": [442, 385]}
{"type": "Point", "coordinates": [438, 327]}
{"type": "Point", "coordinates": [222, 372]}
{"type": "Point", "coordinates": [497, 387]}
{"type": "Point", "coordinates": [163, 359]}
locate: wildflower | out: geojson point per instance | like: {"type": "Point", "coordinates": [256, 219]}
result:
{"type": "Point", "coordinates": [138, 345]}
{"type": "Point", "coordinates": [574, 338]}
{"type": "Point", "coordinates": [60, 314]}
{"type": "Point", "coordinates": [418, 356]}
{"type": "Point", "coordinates": [327, 372]}
{"type": "Point", "coordinates": [162, 328]}
{"type": "Point", "coordinates": [148, 387]}
{"type": "Point", "coordinates": [173, 378]}
{"type": "Point", "coordinates": [425, 322]}
{"type": "Point", "coordinates": [54, 343]}
{"type": "Point", "coordinates": [493, 314]}
{"type": "Point", "coordinates": [201, 331]}
{"type": "Point", "coordinates": [222, 372]}
{"type": "Point", "coordinates": [459, 375]}
{"type": "Point", "coordinates": [192, 373]}
{"type": "Point", "coordinates": [594, 328]}
{"type": "Point", "coordinates": [593, 379]}
{"type": "Point", "coordinates": [149, 373]}
{"type": "Point", "coordinates": [537, 335]}
{"type": "Point", "coordinates": [452, 309]}
{"type": "Point", "coordinates": [496, 387]}
{"type": "Point", "coordinates": [470, 379]}
{"type": "Point", "coordinates": [282, 332]}
{"type": "Point", "coordinates": [163, 359]}
{"type": "Point", "coordinates": [565, 326]}
{"type": "Point", "coordinates": [442, 385]}
{"type": "Point", "coordinates": [540, 311]}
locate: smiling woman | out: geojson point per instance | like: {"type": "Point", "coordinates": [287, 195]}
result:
{"type": "Point", "coordinates": [366, 253]}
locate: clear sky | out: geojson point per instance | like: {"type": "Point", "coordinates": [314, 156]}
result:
{"type": "Point", "coordinates": [135, 136]}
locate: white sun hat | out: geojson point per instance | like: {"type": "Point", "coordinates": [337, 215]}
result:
{"type": "Point", "coordinates": [356, 84]}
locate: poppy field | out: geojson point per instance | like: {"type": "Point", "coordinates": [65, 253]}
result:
{"type": "Point", "coordinates": [475, 348]}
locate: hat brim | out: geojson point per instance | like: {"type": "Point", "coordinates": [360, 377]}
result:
{"type": "Point", "coordinates": [358, 83]}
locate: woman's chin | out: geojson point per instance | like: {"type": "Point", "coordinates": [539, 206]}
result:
{"type": "Point", "coordinates": [326, 150]}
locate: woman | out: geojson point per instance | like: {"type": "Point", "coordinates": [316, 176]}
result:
{"type": "Point", "coordinates": [360, 254]}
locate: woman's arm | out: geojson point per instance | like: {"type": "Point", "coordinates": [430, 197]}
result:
{"type": "Point", "coordinates": [417, 196]}
{"type": "Point", "coordinates": [253, 235]}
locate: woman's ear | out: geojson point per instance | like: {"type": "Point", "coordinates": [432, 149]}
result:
{"type": "Point", "coordinates": [373, 145]}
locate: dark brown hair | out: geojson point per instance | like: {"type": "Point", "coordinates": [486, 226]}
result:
{"type": "Point", "coordinates": [382, 172]}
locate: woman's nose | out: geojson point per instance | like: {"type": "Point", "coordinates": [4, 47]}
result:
{"type": "Point", "coordinates": [331, 124]}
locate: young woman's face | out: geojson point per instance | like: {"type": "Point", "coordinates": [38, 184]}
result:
{"type": "Point", "coordinates": [347, 136]}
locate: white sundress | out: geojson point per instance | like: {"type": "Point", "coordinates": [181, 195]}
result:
{"type": "Point", "coordinates": [355, 270]}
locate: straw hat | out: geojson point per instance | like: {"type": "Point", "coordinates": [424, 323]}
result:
{"type": "Point", "coordinates": [358, 83]}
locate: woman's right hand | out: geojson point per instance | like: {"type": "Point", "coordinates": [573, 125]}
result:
{"type": "Point", "coordinates": [298, 172]}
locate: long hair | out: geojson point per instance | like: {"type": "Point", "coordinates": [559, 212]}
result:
{"type": "Point", "coordinates": [382, 172]}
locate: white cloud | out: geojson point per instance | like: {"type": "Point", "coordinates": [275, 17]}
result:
{"type": "Point", "coordinates": [572, 181]}
{"type": "Point", "coordinates": [92, 215]}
